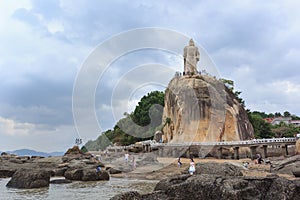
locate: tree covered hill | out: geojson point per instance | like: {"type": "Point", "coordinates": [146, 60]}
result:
{"type": "Point", "coordinates": [139, 125]}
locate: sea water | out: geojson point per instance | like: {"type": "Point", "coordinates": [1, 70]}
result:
{"type": "Point", "coordinates": [78, 189]}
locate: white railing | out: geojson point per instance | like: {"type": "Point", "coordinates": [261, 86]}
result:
{"type": "Point", "coordinates": [231, 143]}
{"type": "Point", "coordinates": [227, 143]}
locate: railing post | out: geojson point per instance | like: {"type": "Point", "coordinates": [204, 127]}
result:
{"type": "Point", "coordinates": [285, 149]}
{"type": "Point", "coordinates": [265, 151]}
{"type": "Point", "coordinates": [236, 153]}
{"type": "Point", "coordinates": [253, 152]}
{"type": "Point", "coordinates": [220, 153]}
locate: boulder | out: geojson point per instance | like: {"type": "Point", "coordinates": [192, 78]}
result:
{"type": "Point", "coordinates": [74, 174]}
{"type": "Point", "coordinates": [221, 187]}
{"type": "Point", "coordinates": [113, 170]}
{"type": "Point", "coordinates": [60, 181]}
{"type": "Point", "coordinates": [29, 178]}
{"type": "Point", "coordinates": [132, 195]}
{"type": "Point", "coordinates": [90, 175]}
{"type": "Point", "coordinates": [86, 175]}
{"type": "Point", "coordinates": [74, 150]}
{"type": "Point", "coordinates": [59, 171]}
{"type": "Point", "coordinates": [193, 105]}
{"type": "Point", "coordinates": [223, 169]}
{"type": "Point", "coordinates": [103, 175]}
{"type": "Point", "coordinates": [75, 153]}
{"type": "Point", "coordinates": [296, 172]}
{"type": "Point", "coordinates": [166, 183]}
{"type": "Point", "coordinates": [287, 165]}
{"type": "Point", "coordinates": [5, 173]}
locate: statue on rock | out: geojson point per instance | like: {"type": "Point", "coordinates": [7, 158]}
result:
{"type": "Point", "coordinates": [191, 56]}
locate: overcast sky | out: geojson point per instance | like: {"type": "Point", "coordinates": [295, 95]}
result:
{"type": "Point", "coordinates": [45, 44]}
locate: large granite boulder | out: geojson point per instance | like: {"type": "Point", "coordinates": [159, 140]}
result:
{"type": "Point", "coordinates": [113, 170]}
{"type": "Point", "coordinates": [60, 181]}
{"type": "Point", "coordinates": [287, 165]}
{"type": "Point", "coordinates": [132, 195]}
{"type": "Point", "coordinates": [222, 188]}
{"type": "Point", "coordinates": [223, 169]}
{"type": "Point", "coordinates": [75, 153]}
{"type": "Point", "coordinates": [201, 108]}
{"type": "Point", "coordinates": [86, 175]}
{"type": "Point", "coordinates": [5, 173]}
{"type": "Point", "coordinates": [29, 178]}
{"type": "Point", "coordinates": [296, 171]}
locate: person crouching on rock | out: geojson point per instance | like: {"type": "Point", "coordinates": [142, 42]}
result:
{"type": "Point", "coordinates": [192, 167]}
{"type": "Point", "coordinates": [98, 169]}
{"type": "Point", "coordinates": [258, 159]}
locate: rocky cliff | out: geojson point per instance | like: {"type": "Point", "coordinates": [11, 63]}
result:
{"type": "Point", "coordinates": [201, 108]}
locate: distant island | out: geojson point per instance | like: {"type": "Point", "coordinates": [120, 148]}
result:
{"type": "Point", "coordinates": [29, 152]}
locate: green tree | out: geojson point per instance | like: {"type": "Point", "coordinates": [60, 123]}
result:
{"type": "Point", "coordinates": [147, 115]}
{"type": "Point", "coordinates": [295, 117]}
{"type": "Point", "coordinates": [285, 130]}
{"type": "Point", "coordinates": [262, 129]}
{"type": "Point", "coordinates": [277, 114]}
{"type": "Point", "coordinates": [286, 114]}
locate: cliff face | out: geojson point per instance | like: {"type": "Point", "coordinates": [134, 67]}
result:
{"type": "Point", "coordinates": [201, 109]}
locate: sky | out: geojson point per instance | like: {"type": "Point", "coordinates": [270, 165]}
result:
{"type": "Point", "coordinates": [45, 94]}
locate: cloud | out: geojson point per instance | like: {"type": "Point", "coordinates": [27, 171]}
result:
{"type": "Point", "coordinates": [10, 127]}
{"type": "Point", "coordinates": [44, 45]}
{"type": "Point", "coordinates": [16, 134]}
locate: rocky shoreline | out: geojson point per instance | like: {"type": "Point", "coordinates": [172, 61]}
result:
{"type": "Point", "coordinates": [227, 178]}
{"type": "Point", "coordinates": [26, 172]}
{"type": "Point", "coordinates": [207, 186]}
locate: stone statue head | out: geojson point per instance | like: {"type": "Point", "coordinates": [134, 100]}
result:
{"type": "Point", "coordinates": [191, 42]}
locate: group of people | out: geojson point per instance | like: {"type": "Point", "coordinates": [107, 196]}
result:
{"type": "Point", "coordinates": [192, 168]}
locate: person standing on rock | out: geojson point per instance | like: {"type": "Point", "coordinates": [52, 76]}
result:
{"type": "Point", "coordinates": [133, 163]}
{"type": "Point", "coordinates": [192, 167]}
{"type": "Point", "coordinates": [191, 56]}
{"type": "Point", "coordinates": [126, 157]}
{"type": "Point", "coordinates": [179, 163]}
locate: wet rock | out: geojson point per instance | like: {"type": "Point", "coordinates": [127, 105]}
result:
{"type": "Point", "coordinates": [60, 181]}
{"type": "Point", "coordinates": [5, 173]}
{"type": "Point", "coordinates": [86, 175]}
{"type": "Point", "coordinates": [29, 178]}
{"type": "Point", "coordinates": [75, 174]}
{"type": "Point", "coordinates": [132, 195]}
{"type": "Point", "coordinates": [103, 175]}
{"type": "Point", "coordinates": [59, 171]}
